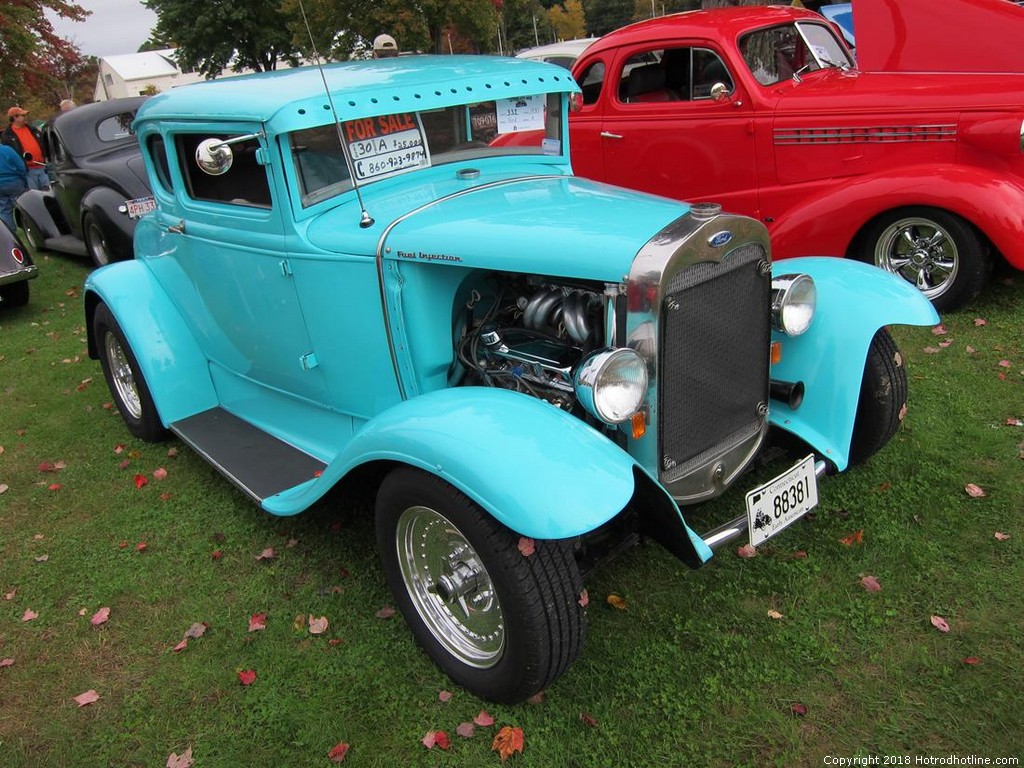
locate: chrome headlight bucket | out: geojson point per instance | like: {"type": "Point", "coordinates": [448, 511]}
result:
{"type": "Point", "coordinates": [611, 384]}
{"type": "Point", "coordinates": [794, 298]}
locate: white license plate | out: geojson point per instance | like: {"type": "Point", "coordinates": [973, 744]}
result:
{"type": "Point", "coordinates": [777, 503]}
{"type": "Point", "coordinates": [140, 206]}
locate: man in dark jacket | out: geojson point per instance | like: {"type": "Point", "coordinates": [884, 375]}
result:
{"type": "Point", "coordinates": [12, 183]}
{"type": "Point", "coordinates": [28, 143]}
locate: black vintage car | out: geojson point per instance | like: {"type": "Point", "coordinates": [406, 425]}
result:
{"type": "Point", "coordinates": [95, 169]}
{"type": "Point", "coordinates": [16, 269]}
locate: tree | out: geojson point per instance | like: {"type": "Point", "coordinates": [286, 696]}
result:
{"type": "Point", "coordinates": [26, 35]}
{"type": "Point", "coordinates": [213, 35]}
{"type": "Point", "coordinates": [568, 20]}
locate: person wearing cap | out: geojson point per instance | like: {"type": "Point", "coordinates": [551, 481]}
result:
{"type": "Point", "coordinates": [67, 105]}
{"type": "Point", "coordinates": [384, 47]}
{"type": "Point", "coordinates": [28, 143]}
{"type": "Point", "coordinates": [13, 178]}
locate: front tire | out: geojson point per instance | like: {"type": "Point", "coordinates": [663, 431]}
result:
{"type": "Point", "coordinates": [883, 398]}
{"type": "Point", "coordinates": [14, 295]}
{"type": "Point", "coordinates": [124, 377]}
{"type": "Point", "coordinates": [95, 241]}
{"type": "Point", "coordinates": [939, 253]}
{"type": "Point", "coordinates": [501, 624]}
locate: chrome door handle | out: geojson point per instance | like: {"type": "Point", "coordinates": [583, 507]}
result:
{"type": "Point", "coordinates": [178, 229]}
{"type": "Point", "coordinates": [608, 135]}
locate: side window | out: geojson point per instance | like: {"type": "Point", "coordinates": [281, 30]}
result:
{"type": "Point", "coordinates": [774, 54]}
{"type": "Point", "coordinates": [115, 127]}
{"type": "Point", "coordinates": [158, 152]}
{"type": "Point", "coordinates": [708, 69]}
{"type": "Point", "coordinates": [591, 81]}
{"type": "Point", "coordinates": [244, 184]}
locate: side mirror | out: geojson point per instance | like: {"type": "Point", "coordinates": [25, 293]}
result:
{"type": "Point", "coordinates": [214, 157]}
{"type": "Point", "coordinates": [719, 92]}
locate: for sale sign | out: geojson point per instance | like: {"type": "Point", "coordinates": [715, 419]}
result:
{"type": "Point", "coordinates": [386, 145]}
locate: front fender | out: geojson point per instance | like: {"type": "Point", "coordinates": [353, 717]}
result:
{"type": "Point", "coordinates": [829, 219]}
{"type": "Point", "coordinates": [103, 203]}
{"type": "Point", "coordinates": [854, 301]}
{"type": "Point", "coordinates": [33, 204]}
{"type": "Point", "coordinates": [538, 470]}
{"type": "Point", "coordinates": [174, 367]}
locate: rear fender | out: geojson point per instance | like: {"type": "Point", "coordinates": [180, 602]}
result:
{"type": "Point", "coordinates": [175, 369]}
{"type": "Point", "coordinates": [103, 203]}
{"type": "Point", "coordinates": [538, 470]}
{"type": "Point", "coordinates": [854, 301]}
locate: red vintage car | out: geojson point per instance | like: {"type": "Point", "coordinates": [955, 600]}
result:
{"type": "Point", "coordinates": [762, 109]}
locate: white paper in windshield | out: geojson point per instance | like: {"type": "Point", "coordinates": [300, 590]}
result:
{"type": "Point", "coordinates": [524, 113]}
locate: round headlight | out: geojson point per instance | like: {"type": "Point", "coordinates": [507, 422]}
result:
{"type": "Point", "coordinates": [793, 301]}
{"type": "Point", "coordinates": [612, 384]}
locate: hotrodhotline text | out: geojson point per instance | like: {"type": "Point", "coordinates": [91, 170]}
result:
{"type": "Point", "coordinates": [855, 762]}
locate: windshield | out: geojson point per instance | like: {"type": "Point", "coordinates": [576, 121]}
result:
{"type": "Point", "coordinates": [376, 148]}
{"type": "Point", "coordinates": [777, 53]}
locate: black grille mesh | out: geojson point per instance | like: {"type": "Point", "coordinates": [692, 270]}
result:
{"type": "Point", "coordinates": [715, 340]}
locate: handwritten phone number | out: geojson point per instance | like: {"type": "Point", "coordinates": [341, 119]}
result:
{"type": "Point", "coordinates": [396, 162]}
{"type": "Point", "coordinates": [381, 146]}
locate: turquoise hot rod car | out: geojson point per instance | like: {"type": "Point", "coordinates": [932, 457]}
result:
{"type": "Point", "coordinates": [347, 278]}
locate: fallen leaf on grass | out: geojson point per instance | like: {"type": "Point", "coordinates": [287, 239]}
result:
{"type": "Point", "coordinates": [29, 615]}
{"type": "Point", "coordinates": [980, 321]}
{"type": "Point", "coordinates": [537, 698]}
{"type": "Point", "coordinates": [747, 551]}
{"type": "Point", "coordinates": [257, 622]}
{"type": "Point", "coordinates": [267, 554]}
{"type": "Point", "coordinates": [465, 730]}
{"type": "Point", "coordinates": [508, 741]}
{"type": "Point", "coordinates": [871, 584]}
{"type": "Point", "coordinates": [160, 474]}
{"type": "Point", "coordinates": [385, 613]}
{"type": "Point", "coordinates": [10, 595]}
{"type": "Point", "coordinates": [184, 760]}
{"type": "Point", "coordinates": [338, 752]}
{"type": "Point", "coordinates": [857, 537]}
{"type": "Point", "coordinates": [974, 491]}
{"type": "Point", "coordinates": [54, 487]}
{"type": "Point", "coordinates": [940, 330]}
{"type": "Point", "coordinates": [972, 660]}
{"type": "Point", "coordinates": [584, 600]}
{"type": "Point", "coordinates": [100, 617]}
{"type": "Point", "coordinates": [317, 626]}
{"type": "Point", "coordinates": [436, 739]}
{"type": "Point", "coordinates": [216, 554]}
{"type": "Point", "coordinates": [588, 719]}
{"type": "Point", "coordinates": [41, 558]}
{"type": "Point", "coordinates": [4, 487]}
{"type": "Point", "coordinates": [6, 663]}
{"type": "Point", "coordinates": [140, 480]}
{"type": "Point", "coordinates": [1014, 422]}
{"type": "Point", "coordinates": [484, 719]}
{"type": "Point", "coordinates": [50, 466]}
{"type": "Point", "coordinates": [247, 677]}
{"type": "Point", "coordinates": [88, 697]}
{"type": "Point", "coordinates": [940, 624]}
{"type": "Point", "coordinates": [141, 546]}
{"type": "Point", "coordinates": [172, 452]}
{"type": "Point", "coordinates": [799, 710]}
{"type": "Point", "coordinates": [1004, 363]}
{"type": "Point", "coordinates": [526, 546]}
{"type": "Point", "coordinates": [197, 630]}
{"type": "Point", "coordinates": [616, 602]}
{"type": "Point", "coordinates": [773, 614]}
{"type": "Point", "coordinates": [444, 696]}
{"type": "Point", "coordinates": [181, 646]}
{"type": "Point", "coordinates": [931, 350]}
{"type": "Point", "coordinates": [1000, 536]}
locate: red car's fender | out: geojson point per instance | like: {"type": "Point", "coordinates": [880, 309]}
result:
{"type": "Point", "coordinates": [827, 223]}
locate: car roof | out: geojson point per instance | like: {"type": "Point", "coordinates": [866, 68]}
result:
{"type": "Point", "coordinates": [77, 127]}
{"type": "Point", "coordinates": [291, 99]}
{"type": "Point", "coordinates": [563, 48]}
{"type": "Point", "coordinates": [722, 23]}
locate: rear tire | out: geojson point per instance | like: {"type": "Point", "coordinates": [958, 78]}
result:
{"type": "Point", "coordinates": [95, 241]}
{"type": "Point", "coordinates": [501, 624]}
{"type": "Point", "coordinates": [938, 252]}
{"type": "Point", "coordinates": [14, 294]}
{"type": "Point", "coordinates": [883, 398]}
{"type": "Point", "coordinates": [125, 379]}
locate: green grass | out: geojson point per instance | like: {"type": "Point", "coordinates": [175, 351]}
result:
{"type": "Point", "coordinates": [692, 673]}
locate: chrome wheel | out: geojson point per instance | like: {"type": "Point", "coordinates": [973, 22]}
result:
{"type": "Point", "coordinates": [921, 252]}
{"type": "Point", "coordinates": [96, 243]}
{"type": "Point", "coordinates": [449, 587]}
{"type": "Point", "coordinates": [122, 378]}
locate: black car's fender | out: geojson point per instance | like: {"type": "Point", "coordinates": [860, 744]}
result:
{"type": "Point", "coordinates": [38, 213]}
{"type": "Point", "coordinates": [104, 204]}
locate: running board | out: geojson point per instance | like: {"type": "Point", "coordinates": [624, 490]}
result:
{"type": "Point", "coordinates": [65, 244]}
{"type": "Point", "coordinates": [257, 462]}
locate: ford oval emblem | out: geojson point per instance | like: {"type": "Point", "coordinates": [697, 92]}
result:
{"type": "Point", "coordinates": [719, 239]}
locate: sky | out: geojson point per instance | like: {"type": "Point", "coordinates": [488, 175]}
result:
{"type": "Point", "coordinates": [115, 27]}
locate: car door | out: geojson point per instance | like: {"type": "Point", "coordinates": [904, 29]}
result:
{"type": "Point", "coordinates": [225, 233]}
{"type": "Point", "coordinates": [665, 131]}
